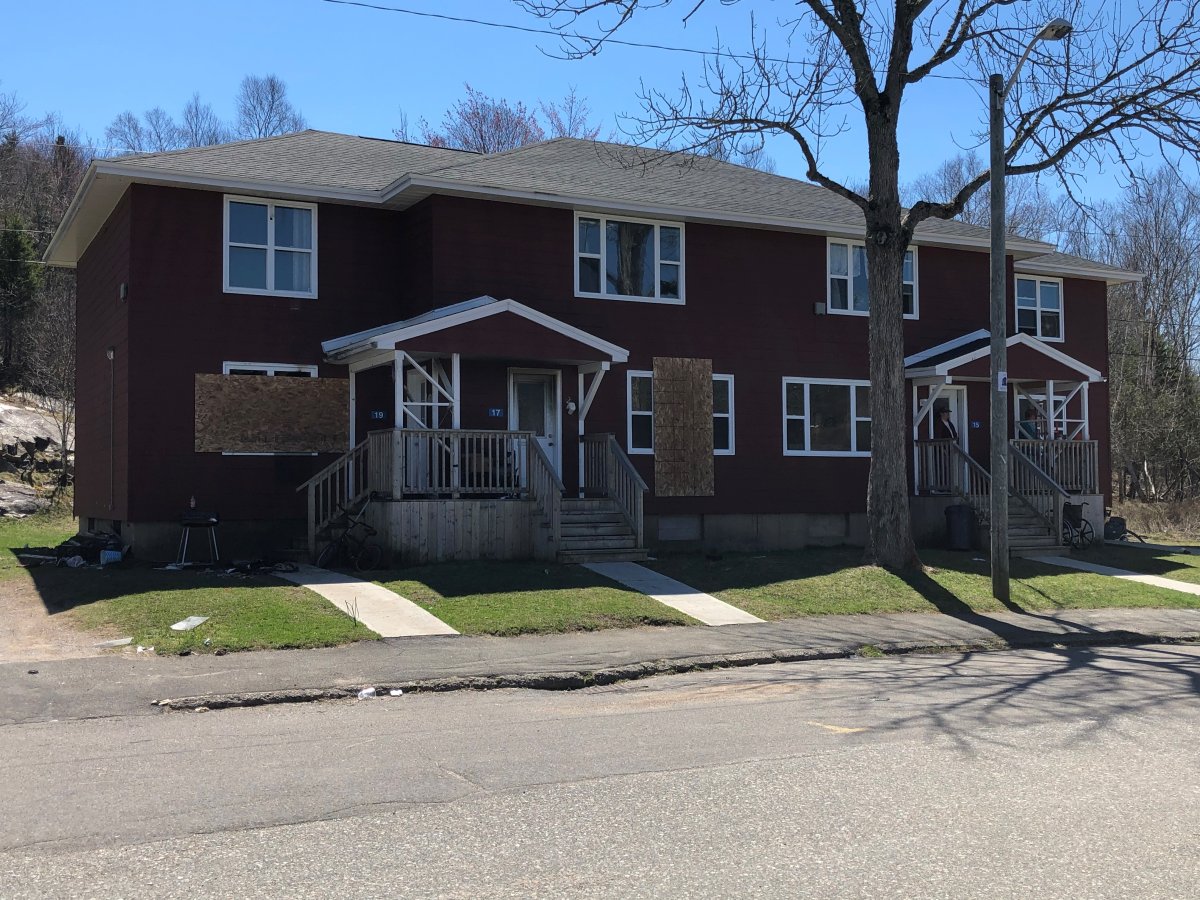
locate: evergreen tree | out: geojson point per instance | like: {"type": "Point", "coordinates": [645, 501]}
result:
{"type": "Point", "coordinates": [19, 278]}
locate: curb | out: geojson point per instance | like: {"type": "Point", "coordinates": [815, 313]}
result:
{"type": "Point", "coordinates": [573, 680]}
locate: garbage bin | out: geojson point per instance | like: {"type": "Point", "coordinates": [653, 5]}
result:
{"type": "Point", "coordinates": [959, 519]}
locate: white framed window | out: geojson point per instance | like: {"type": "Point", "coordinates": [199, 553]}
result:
{"type": "Point", "coordinates": [628, 259]}
{"type": "Point", "coordinates": [639, 423]}
{"type": "Point", "coordinates": [723, 436]}
{"type": "Point", "coordinates": [270, 247]}
{"type": "Point", "coordinates": [256, 368]}
{"type": "Point", "coordinates": [1040, 307]}
{"type": "Point", "coordinates": [640, 414]}
{"type": "Point", "coordinates": [826, 417]}
{"type": "Point", "coordinates": [847, 280]}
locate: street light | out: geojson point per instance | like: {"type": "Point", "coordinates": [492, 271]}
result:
{"type": "Point", "coordinates": [998, 88]}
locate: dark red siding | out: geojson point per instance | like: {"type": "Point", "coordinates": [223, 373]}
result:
{"type": "Point", "coordinates": [182, 323]}
{"type": "Point", "coordinates": [101, 386]}
{"type": "Point", "coordinates": [750, 309]}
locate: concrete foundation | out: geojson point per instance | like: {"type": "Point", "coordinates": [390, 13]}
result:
{"type": "Point", "coordinates": [774, 531]}
{"type": "Point", "coordinates": [159, 541]}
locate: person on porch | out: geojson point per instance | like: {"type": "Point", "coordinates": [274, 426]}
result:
{"type": "Point", "coordinates": [945, 429]}
{"type": "Point", "coordinates": [1029, 425]}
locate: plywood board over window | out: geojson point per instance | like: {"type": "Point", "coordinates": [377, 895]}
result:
{"type": "Point", "coordinates": [683, 430]}
{"type": "Point", "coordinates": [265, 414]}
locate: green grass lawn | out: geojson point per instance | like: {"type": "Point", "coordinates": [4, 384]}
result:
{"type": "Point", "coordinates": [45, 530]}
{"type": "Point", "coordinates": [832, 581]}
{"type": "Point", "coordinates": [138, 601]}
{"type": "Point", "coordinates": [245, 613]}
{"type": "Point", "coordinates": [508, 598]}
{"type": "Point", "coordinates": [1179, 566]}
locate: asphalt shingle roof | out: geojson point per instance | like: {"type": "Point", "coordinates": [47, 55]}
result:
{"type": "Point", "coordinates": [318, 158]}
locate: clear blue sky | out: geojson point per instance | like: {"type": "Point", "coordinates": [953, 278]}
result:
{"type": "Point", "coordinates": [351, 69]}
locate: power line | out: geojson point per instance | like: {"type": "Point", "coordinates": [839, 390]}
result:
{"type": "Point", "coordinates": [639, 45]}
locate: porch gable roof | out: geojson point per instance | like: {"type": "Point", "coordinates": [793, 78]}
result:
{"type": "Point", "coordinates": [944, 358]}
{"type": "Point", "coordinates": [388, 337]}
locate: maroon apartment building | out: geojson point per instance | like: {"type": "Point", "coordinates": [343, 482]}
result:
{"type": "Point", "coordinates": [277, 327]}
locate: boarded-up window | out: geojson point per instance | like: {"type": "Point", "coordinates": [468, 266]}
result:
{"type": "Point", "coordinates": [268, 414]}
{"type": "Point", "coordinates": [683, 427]}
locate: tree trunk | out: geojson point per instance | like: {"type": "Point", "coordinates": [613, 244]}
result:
{"type": "Point", "coordinates": [889, 524]}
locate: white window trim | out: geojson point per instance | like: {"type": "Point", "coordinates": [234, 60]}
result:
{"type": "Point", "coordinates": [1062, 307]}
{"type": "Point", "coordinates": [629, 413]}
{"type": "Point", "coordinates": [267, 369]}
{"type": "Point", "coordinates": [269, 247]}
{"type": "Point", "coordinates": [603, 217]}
{"type": "Point", "coordinates": [855, 416]}
{"type": "Point", "coordinates": [916, 282]}
{"type": "Point", "coordinates": [729, 415]}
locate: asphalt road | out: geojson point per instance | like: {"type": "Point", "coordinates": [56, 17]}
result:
{"type": "Point", "coordinates": [1022, 774]}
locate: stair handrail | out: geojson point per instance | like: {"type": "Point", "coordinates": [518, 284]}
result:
{"type": "Point", "coordinates": [626, 487]}
{"type": "Point", "coordinates": [343, 482]}
{"type": "Point", "coordinates": [1032, 486]}
{"type": "Point", "coordinates": [545, 487]}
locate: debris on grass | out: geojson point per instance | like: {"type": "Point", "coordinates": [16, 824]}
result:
{"type": "Point", "coordinates": [189, 623]}
{"type": "Point", "coordinates": [115, 642]}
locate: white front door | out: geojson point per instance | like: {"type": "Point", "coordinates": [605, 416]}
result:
{"type": "Point", "coordinates": [533, 406]}
{"type": "Point", "coordinates": [953, 398]}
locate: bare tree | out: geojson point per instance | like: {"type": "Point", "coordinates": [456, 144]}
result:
{"type": "Point", "coordinates": [485, 125]}
{"type": "Point", "coordinates": [263, 108]}
{"type": "Point", "coordinates": [200, 126]}
{"type": "Point", "coordinates": [1128, 69]}
{"type": "Point", "coordinates": [50, 347]}
{"type": "Point", "coordinates": [1030, 212]}
{"type": "Point", "coordinates": [570, 117]}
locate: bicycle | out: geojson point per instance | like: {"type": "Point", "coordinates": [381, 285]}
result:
{"type": "Point", "coordinates": [1077, 531]}
{"type": "Point", "coordinates": [348, 535]}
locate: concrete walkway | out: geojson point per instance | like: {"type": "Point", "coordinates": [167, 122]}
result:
{"type": "Point", "coordinates": [1155, 580]}
{"type": "Point", "coordinates": [675, 594]}
{"type": "Point", "coordinates": [384, 612]}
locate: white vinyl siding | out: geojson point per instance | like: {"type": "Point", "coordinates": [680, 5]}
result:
{"type": "Point", "coordinates": [270, 248]}
{"type": "Point", "coordinates": [826, 417]}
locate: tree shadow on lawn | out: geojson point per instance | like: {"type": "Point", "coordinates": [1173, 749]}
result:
{"type": "Point", "coordinates": [61, 588]}
{"type": "Point", "coordinates": [479, 577]}
{"type": "Point", "coordinates": [1145, 561]}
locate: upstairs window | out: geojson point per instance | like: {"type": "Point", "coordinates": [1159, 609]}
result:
{"type": "Point", "coordinates": [826, 418]}
{"type": "Point", "coordinates": [270, 248]}
{"type": "Point", "coordinates": [848, 280]}
{"type": "Point", "coordinates": [626, 259]}
{"type": "Point", "coordinates": [1039, 307]}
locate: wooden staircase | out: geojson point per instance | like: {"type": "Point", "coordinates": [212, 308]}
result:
{"type": "Point", "coordinates": [595, 530]}
{"type": "Point", "coordinates": [1029, 534]}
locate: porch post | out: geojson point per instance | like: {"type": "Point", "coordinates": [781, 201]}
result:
{"type": "Point", "coordinates": [582, 410]}
{"type": "Point", "coordinates": [1083, 402]}
{"type": "Point", "coordinates": [353, 407]}
{"type": "Point", "coordinates": [1050, 411]}
{"type": "Point", "coordinates": [456, 391]}
{"type": "Point", "coordinates": [398, 392]}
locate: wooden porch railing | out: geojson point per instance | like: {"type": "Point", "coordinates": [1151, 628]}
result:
{"type": "Point", "coordinates": [607, 471]}
{"type": "Point", "coordinates": [944, 467]}
{"type": "Point", "coordinates": [460, 462]}
{"type": "Point", "coordinates": [1075, 465]}
{"type": "Point", "coordinates": [343, 482]}
{"type": "Point", "coordinates": [546, 489]}
{"type": "Point", "coordinates": [1032, 486]}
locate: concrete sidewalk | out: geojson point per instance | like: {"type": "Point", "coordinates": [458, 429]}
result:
{"type": "Point", "coordinates": [116, 685]}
